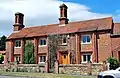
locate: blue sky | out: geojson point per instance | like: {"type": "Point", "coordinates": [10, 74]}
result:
{"type": "Point", "coordinates": [100, 6]}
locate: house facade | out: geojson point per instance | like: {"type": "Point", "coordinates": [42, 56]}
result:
{"type": "Point", "coordinates": [91, 40]}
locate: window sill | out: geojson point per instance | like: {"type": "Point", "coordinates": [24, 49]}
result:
{"type": "Point", "coordinates": [84, 62]}
{"type": "Point", "coordinates": [41, 63]}
{"type": "Point", "coordinates": [64, 44]}
{"type": "Point", "coordinates": [86, 43]}
{"type": "Point", "coordinates": [17, 47]}
{"type": "Point", "coordinates": [42, 45]}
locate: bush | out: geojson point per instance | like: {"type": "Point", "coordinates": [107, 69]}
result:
{"type": "Point", "coordinates": [113, 63]}
{"type": "Point", "coordinates": [1, 58]}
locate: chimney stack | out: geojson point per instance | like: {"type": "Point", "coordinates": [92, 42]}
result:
{"type": "Point", "coordinates": [63, 14]}
{"type": "Point", "coordinates": [19, 18]}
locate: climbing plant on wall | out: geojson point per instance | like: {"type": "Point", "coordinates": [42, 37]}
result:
{"type": "Point", "coordinates": [29, 53]}
{"type": "Point", "coordinates": [53, 45]}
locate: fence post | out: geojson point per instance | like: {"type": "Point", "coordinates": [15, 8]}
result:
{"type": "Point", "coordinates": [46, 66]}
{"type": "Point", "coordinates": [105, 67]}
{"type": "Point", "coordinates": [89, 68]}
{"type": "Point", "coordinates": [108, 66]}
{"type": "Point", "coordinates": [56, 67]}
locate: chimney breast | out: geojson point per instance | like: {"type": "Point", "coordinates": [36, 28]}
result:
{"type": "Point", "coordinates": [19, 18]}
{"type": "Point", "coordinates": [63, 14]}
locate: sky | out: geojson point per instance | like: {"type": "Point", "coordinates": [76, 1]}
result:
{"type": "Point", "coordinates": [42, 12]}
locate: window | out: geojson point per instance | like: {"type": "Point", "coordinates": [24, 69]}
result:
{"type": "Point", "coordinates": [86, 39]}
{"type": "Point", "coordinates": [42, 58]}
{"type": "Point", "coordinates": [17, 43]}
{"type": "Point", "coordinates": [86, 58]}
{"type": "Point", "coordinates": [64, 40]}
{"type": "Point", "coordinates": [17, 58]}
{"type": "Point", "coordinates": [42, 42]}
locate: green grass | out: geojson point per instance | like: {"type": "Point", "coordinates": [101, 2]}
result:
{"type": "Point", "coordinates": [42, 75]}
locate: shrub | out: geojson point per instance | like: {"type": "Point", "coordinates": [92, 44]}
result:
{"type": "Point", "coordinates": [1, 58]}
{"type": "Point", "coordinates": [113, 63]}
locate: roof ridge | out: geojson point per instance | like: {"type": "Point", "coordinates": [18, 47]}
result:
{"type": "Point", "coordinates": [92, 19]}
{"type": "Point", "coordinates": [70, 22]}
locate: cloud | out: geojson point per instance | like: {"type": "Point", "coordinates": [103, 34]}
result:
{"type": "Point", "coordinates": [116, 18]}
{"type": "Point", "coordinates": [40, 12]}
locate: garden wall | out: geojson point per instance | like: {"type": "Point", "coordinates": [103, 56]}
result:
{"type": "Point", "coordinates": [14, 67]}
{"type": "Point", "coordinates": [82, 69]}
{"type": "Point", "coordinates": [78, 69]}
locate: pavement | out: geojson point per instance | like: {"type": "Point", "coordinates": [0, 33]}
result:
{"type": "Point", "coordinates": [11, 77]}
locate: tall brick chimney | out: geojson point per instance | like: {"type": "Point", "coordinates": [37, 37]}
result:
{"type": "Point", "coordinates": [63, 14]}
{"type": "Point", "coordinates": [19, 18]}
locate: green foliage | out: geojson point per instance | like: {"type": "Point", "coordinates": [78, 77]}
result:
{"type": "Point", "coordinates": [29, 53]}
{"type": "Point", "coordinates": [53, 44]}
{"type": "Point", "coordinates": [113, 62]}
{"type": "Point", "coordinates": [1, 58]}
{"type": "Point", "coordinates": [2, 43]}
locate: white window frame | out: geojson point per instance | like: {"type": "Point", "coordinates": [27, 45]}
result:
{"type": "Point", "coordinates": [86, 41]}
{"type": "Point", "coordinates": [17, 46]}
{"type": "Point", "coordinates": [42, 56]}
{"type": "Point", "coordinates": [86, 57]}
{"type": "Point", "coordinates": [42, 39]}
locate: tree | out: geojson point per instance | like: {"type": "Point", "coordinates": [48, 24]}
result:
{"type": "Point", "coordinates": [53, 45]}
{"type": "Point", "coordinates": [29, 53]}
{"type": "Point", "coordinates": [1, 58]}
{"type": "Point", "coordinates": [2, 43]}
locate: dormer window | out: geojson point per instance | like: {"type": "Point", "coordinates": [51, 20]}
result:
{"type": "Point", "coordinates": [17, 43]}
{"type": "Point", "coordinates": [86, 39]}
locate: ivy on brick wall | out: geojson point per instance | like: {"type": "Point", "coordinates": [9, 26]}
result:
{"type": "Point", "coordinates": [53, 45]}
{"type": "Point", "coordinates": [29, 53]}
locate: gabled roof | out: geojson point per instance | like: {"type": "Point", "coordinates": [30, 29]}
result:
{"type": "Point", "coordinates": [71, 27]}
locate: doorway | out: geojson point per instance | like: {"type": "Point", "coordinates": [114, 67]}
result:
{"type": "Point", "coordinates": [64, 58]}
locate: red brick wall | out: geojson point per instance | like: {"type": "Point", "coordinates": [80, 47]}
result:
{"type": "Point", "coordinates": [8, 49]}
{"type": "Point", "coordinates": [42, 49]}
{"type": "Point", "coordinates": [115, 46]}
{"type": "Point", "coordinates": [86, 47]}
{"type": "Point", "coordinates": [17, 50]}
{"type": "Point", "coordinates": [72, 43]}
{"type": "Point", "coordinates": [104, 46]}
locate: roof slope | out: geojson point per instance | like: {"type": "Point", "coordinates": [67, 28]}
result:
{"type": "Point", "coordinates": [80, 26]}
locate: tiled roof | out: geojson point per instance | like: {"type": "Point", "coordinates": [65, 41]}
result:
{"type": "Point", "coordinates": [79, 26]}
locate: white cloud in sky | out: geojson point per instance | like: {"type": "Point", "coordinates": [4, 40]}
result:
{"type": "Point", "coordinates": [39, 12]}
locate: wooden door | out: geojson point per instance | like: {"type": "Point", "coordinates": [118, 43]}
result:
{"type": "Point", "coordinates": [64, 59]}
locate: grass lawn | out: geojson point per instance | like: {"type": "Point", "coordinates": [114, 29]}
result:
{"type": "Point", "coordinates": [43, 75]}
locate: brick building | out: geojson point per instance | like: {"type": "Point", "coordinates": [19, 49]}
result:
{"type": "Point", "coordinates": [91, 40]}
